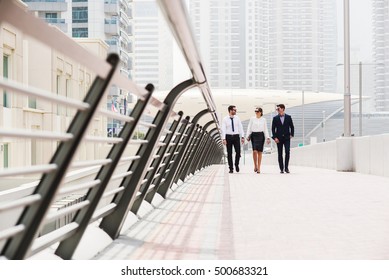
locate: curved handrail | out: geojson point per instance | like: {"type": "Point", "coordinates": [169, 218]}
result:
{"type": "Point", "coordinates": [177, 17]}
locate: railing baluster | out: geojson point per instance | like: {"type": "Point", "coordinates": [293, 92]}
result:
{"type": "Point", "coordinates": [174, 170]}
{"type": "Point", "coordinates": [33, 216]}
{"type": "Point", "coordinates": [67, 247]}
{"type": "Point", "coordinates": [113, 223]}
{"type": "Point", "coordinates": [194, 147]}
{"type": "Point", "coordinates": [200, 149]}
{"type": "Point", "coordinates": [157, 182]}
{"type": "Point", "coordinates": [155, 164]}
{"type": "Point", "coordinates": [208, 152]}
{"type": "Point", "coordinates": [180, 154]}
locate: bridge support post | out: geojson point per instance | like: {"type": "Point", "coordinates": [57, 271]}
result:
{"type": "Point", "coordinates": [344, 154]}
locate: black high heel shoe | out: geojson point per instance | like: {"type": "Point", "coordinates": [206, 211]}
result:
{"type": "Point", "coordinates": [255, 170]}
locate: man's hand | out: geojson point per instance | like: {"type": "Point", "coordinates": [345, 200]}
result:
{"type": "Point", "coordinates": [276, 140]}
{"type": "Point", "coordinates": [242, 140]}
{"type": "Point", "coordinates": [224, 142]}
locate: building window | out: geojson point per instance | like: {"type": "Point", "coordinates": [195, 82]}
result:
{"type": "Point", "coordinates": [80, 14]}
{"type": "Point", "coordinates": [33, 151]}
{"type": "Point", "coordinates": [6, 96]}
{"type": "Point", "coordinates": [53, 18]}
{"type": "Point", "coordinates": [80, 32]}
{"type": "Point", "coordinates": [58, 90]}
{"type": "Point", "coordinates": [68, 91]}
{"type": "Point", "coordinates": [31, 102]}
{"type": "Point", "coordinates": [51, 15]}
{"type": "Point", "coordinates": [5, 156]}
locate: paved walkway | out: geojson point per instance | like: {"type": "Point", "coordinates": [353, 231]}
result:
{"type": "Point", "coordinates": [308, 214]}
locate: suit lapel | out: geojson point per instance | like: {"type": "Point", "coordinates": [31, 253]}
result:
{"type": "Point", "coordinates": [279, 117]}
{"type": "Point", "coordinates": [284, 120]}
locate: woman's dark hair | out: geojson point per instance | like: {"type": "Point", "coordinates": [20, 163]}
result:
{"type": "Point", "coordinates": [258, 109]}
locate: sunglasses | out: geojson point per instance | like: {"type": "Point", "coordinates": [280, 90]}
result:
{"type": "Point", "coordinates": [256, 111]}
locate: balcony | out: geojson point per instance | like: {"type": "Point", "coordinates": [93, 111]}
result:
{"type": "Point", "coordinates": [124, 56]}
{"type": "Point", "coordinates": [124, 71]}
{"type": "Point", "coordinates": [111, 26]}
{"type": "Point", "coordinates": [59, 22]}
{"type": "Point", "coordinates": [124, 18]}
{"type": "Point", "coordinates": [113, 49]}
{"type": "Point", "coordinates": [47, 5]}
{"type": "Point", "coordinates": [124, 4]}
{"type": "Point", "coordinates": [111, 7]}
{"type": "Point", "coordinates": [124, 37]}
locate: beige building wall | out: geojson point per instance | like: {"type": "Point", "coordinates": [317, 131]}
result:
{"type": "Point", "coordinates": [11, 106]}
{"type": "Point", "coordinates": [34, 64]}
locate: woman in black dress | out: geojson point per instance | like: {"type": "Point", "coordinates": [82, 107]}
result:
{"type": "Point", "coordinates": [257, 133]}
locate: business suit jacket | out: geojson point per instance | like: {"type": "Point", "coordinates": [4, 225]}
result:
{"type": "Point", "coordinates": [282, 131]}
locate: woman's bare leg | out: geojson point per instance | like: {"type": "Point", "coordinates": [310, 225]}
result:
{"type": "Point", "coordinates": [255, 158]}
{"type": "Point", "coordinates": [259, 156]}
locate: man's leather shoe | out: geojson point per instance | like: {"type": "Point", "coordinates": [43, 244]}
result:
{"type": "Point", "coordinates": [231, 171]}
{"type": "Point", "coordinates": [287, 170]}
{"type": "Point", "coordinates": [237, 168]}
{"type": "Point", "coordinates": [282, 172]}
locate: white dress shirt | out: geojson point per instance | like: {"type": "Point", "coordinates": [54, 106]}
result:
{"type": "Point", "coordinates": [227, 126]}
{"type": "Point", "coordinates": [257, 125]}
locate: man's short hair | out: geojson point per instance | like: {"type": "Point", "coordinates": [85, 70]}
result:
{"type": "Point", "coordinates": [282, 106]}
{"type": "Point", "coordinates": [231, 107]}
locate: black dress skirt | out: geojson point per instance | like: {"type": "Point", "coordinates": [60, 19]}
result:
{"type": "Point", "coordinates": [258, 141]}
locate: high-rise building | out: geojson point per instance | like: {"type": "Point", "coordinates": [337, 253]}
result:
{"type": "Point", "coordinates": [276, 44]}
{"type": "Point", "coordinates": [381, 53]}
{"type": "Point", "coordinates": [108, 20]}
{"type": "Point", "coordinates": [55, 12]}
{"type": "Point", "coordinates": [153, 48]}
{"type": "Point", "coordinates": [219, 28]}
{"type": "Point", "coordinates": [31, 63]}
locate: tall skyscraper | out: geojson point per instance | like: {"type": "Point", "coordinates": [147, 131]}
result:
{"type": "Point", "coordinates": [219, 28]}
{"type": "Point", "coordinates": [276, 44]}
{"type": "Point", "coordinates": [55, 12]}
{"type": "Point", "coordinates": [153, 48]}
{"type": "Point", "coordinates": [381, 53]}
{"type": "Point", "coordinates": [108, 20]}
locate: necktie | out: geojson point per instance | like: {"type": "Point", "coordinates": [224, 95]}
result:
{"type": "Point", "coordinates": [232, 123]}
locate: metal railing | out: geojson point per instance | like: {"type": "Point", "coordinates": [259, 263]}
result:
{"type": "Point", "coordinates": [71, 194]}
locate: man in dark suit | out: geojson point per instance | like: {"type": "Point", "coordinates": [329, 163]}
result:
{"type": "Point", "coordinates": [283, 130]}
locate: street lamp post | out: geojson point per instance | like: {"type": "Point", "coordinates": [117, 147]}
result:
{"type": "Point", "coordinates": [324, 126]}
{"type": "Point", "coordinates": [360, 98]}
{"type": "Point", "coordinates": [360, 64]}
{"type": "Point", "coordinates": [302, 109]}
{"type": "Point", "coordinates": [347, 95]}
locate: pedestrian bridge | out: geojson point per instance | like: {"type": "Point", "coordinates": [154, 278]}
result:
{"type": "Point", "coordinates": [309, 214]}
{"type": "Point", "coordinates": [168, 196]}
